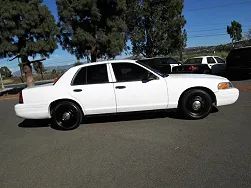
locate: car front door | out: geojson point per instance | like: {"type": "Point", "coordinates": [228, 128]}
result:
{"type": "Point", "coordinates": [92, 87]}
{"type": "Point", "coordinates": [138, 89]}
{"type": "Point", "coordinates": [210, 61]}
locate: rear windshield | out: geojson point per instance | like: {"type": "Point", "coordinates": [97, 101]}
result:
{"type": "Point", "coordinates": [239, 57]}
{"type": "Point", "coordinates": [193, 61]}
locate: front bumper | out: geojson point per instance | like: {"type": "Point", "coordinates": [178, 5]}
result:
{"type": "Point", "coordinates": [34, 111]}
{"type": "Point", "coordinates": [227, 96]}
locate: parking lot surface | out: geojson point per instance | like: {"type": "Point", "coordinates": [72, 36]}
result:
{"type": "Point", "coordinates": [143, 150]}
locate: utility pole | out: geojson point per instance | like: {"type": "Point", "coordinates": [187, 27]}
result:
{"type": "Point", "coordinates": [1, 80]}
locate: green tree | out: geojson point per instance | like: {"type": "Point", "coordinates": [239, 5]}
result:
{"type": "Point", "coordinates": [184, 43]}
{"type": "Point", "coordinates": [92, 28]}
{"type": "Point", "coordinates": [5, 72]}
{"type": "Point", "coordinates": [248, 35]}
{"type": "Point", "coordinates": [27, 28]}
{"type": "Point", "coordinates": [155, 27]}
{"type": "Point", "coordinates": [77, 63]}
{"type": "Point", "coordinates": [235, 31]}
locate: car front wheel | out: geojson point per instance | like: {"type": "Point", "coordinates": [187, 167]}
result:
{"type": "Point", "coordinates": [195, 104]}
{"type": "Point", "coordinates": [66, 116]}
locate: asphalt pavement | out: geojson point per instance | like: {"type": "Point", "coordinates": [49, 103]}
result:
{"type": "Point", "coordinates": [143, 150]}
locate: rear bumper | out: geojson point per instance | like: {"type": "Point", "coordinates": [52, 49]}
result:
{"type": "Point", "coordinates": [227, 96]}
{"type": "Point", "coordinates": [34, 111]}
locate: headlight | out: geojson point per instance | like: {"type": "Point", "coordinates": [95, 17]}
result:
{"type": "Point", "coordinates": [225, 85]}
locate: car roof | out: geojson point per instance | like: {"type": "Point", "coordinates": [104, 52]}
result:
{"type": "Point", "coordinates": [150, 58]}
{"type": "Point", "coordinates": [205, 56]}
{"type": "Point", "coordinates": [104, 62]}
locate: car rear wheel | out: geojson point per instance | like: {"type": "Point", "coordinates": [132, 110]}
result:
{"type": "Point", "coordinates": [66, 116]}
{"type": "Point", "coordinates": [195, 104]}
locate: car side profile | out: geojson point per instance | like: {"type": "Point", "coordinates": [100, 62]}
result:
{"type": "Point", "coordinates": [202, 64]}
{"type": "Point", "coordinates": [119, 86]}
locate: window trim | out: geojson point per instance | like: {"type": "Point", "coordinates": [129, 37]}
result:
{"type": "Point", "coordinates": [116, 81]}
{"type": "Point", "coordinates": [106, 64]}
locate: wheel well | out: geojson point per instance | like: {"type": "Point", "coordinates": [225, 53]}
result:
{"type": "Point", "coordinates": [209, 91]}
{"type": "Point", "coordinates": [54, 103]}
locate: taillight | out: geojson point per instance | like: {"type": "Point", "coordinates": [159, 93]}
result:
{"type": "Point", "coordinates": [191, 68]}
{"type": "Point", "coordinates": [21, 101]}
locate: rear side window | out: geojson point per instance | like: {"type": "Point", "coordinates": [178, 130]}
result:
{"type": "Point", "coordinates": [94, 74]}
{"type": "Point", "coordinates": [210, 60]}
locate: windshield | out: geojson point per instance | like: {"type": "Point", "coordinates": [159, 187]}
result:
{"type": "Point", "coordinates": [152, 69]}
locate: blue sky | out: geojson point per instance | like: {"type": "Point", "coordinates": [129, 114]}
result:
{"type": "Point", "coordinates": [201, 18]}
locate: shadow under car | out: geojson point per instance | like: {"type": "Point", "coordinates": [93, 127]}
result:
{"type": "Point", "coordinates": [28, 123]}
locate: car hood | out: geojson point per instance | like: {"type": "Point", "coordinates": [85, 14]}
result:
{"type": "Point", "coordinates": [195, 76]}
{"type": "Point", "coordinates": [184, 81]}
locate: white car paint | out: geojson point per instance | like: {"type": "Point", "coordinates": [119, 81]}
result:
{"type": "Point", "coordinates": [216, 67]}
{"type": "Point", "coordinates": [162, 93]}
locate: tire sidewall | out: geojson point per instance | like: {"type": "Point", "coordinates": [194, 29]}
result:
{"type": "Point", "coordinates": [54, 113]}
{"type": "Point", "coordinates": [186, 97]}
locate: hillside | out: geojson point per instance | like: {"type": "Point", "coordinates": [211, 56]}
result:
{"type": "Point", "coordinates": [218, 48]}
{"type": "Point", "coordinates": [191, 51]}
{"type": "Point", "coordinates": [50, 68]}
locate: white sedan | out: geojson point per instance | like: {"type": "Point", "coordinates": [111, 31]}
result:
{"type": "Point", "coordinates": [112, 87]}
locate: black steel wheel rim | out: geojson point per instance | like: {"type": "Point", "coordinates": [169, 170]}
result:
{"type": "Point", "coordinates": [67, 116]}
{"type": "Point", "coordinates": [196, 105]}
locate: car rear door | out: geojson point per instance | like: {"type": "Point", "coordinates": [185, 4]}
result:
{"type": "Point", "coordinates": [133, 92]}
{"type": "Point", "coordinates": [211, 62]}
{"type": "Point", "coordinates": [92, 86]}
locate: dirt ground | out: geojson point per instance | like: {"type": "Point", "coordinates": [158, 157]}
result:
{"type": "Point", "coordinates": [5, 97]}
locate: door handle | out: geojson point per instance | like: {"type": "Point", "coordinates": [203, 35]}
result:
{"type": "Point", "coordinates": [77, 90]}
{"type": "Point", "coordinates": [120, 87]}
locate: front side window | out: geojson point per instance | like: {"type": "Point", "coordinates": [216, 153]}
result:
{"type": "Point", "coordinates": [125, 72]}
{"type": "Point", "coordinates": [219, 60]}
{"type": "Point", "coordinates": [94, 74]}
{"type": "Point", "coordinates": [210, 60]}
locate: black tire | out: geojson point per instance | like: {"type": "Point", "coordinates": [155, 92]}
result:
{"type": "Point", "coordinates": [195, 104]}
{"type": "Point", "coordinates": [66, 116]}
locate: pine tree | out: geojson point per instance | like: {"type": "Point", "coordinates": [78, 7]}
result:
{"type": "Point", "coordinates": [92, 28]}
{"type": "Point", "coordinates": [235, 31]}
{"type": "Point", "coordinates": [27, 28]}
{"type": "Point", "coordinates": [5, 72]}
{"type": "Point", "coordinates": [155, 27]}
